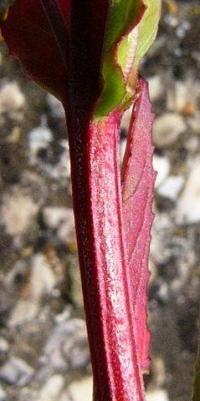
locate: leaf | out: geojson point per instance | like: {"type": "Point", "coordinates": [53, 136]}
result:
{"type": "Point", "coordinates": [124, 16]}
{"type": "Point", "coordinates": [71, 37]}
{"type": "Point", "coordinates": [30, 38]}
{"type": "Point", "coordinates": [146, 33]}
{"type": "Point", "coordinates": [43, 33]}
{"type": "Point", "coordinates": [131, 31]}
{"type": "Point", "coordinates": [137, 194]}
{"type": "Point", "coordinates": [148, 28]}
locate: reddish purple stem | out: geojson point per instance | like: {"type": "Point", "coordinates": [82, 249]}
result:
{"type": "Point", "coordinates": [98, 215]}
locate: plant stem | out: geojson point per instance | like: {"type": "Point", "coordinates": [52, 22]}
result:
{"type": "Point", "coordinates": [98, 218]}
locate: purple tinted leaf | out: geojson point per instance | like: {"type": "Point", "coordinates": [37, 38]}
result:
{"type": "Point", "coordinates": [137, 192]}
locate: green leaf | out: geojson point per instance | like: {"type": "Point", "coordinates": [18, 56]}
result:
{"type": "Point", "coordinates": [114, 88]}
{"type": "Point", "coordinates": [148, 28]}
{"type": "Point", "coordinates": [124, 16]}
{"type": "Point", "coordinates": [130, 33]}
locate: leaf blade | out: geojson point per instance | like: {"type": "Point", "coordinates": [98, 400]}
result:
{"type": "Point", "coordinates": [124, 16]}
{"type": "Point", "coordinates": [148, 27]}
{"type": "Point", "coordinates": [137, 193]}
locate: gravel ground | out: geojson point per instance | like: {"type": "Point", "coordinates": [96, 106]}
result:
{"type": "Point", "coordinates": [43, 344]}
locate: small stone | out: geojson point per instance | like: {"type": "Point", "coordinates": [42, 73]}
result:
{"type": "Point", "coordinates": [182, 96]}
{"type": "Point", "coordinates": [16, 371]}
{"type": "Point", "coordinates": [167, 129]}
{"type": "Point", "coordinates": [24, 310]}
{"type": "Point", "coordinates": [188, 207]}
{"type": "Point", "coordinates": [52, 389]}
{"type": "Point", "coordinates": [61, 220]}
{"type": "Point", "coordinates": [39, 138]}
{"type": "Point", "coordinates": [171, 20]}
{"type": "Point", "coordinates": [62, 169]}
{"type": "Point", "coordinates": [162, 166]}
{"type": "Point", "coordinates": [192, 144]}
{"type": "Point", "coordinates": [11, 98]}
{"type": "Point", "coordinates": [17, 212]}
{"type": "Point", "coordinates": [18, 274]}
{"type": "Point", "coordinates": [163, 292]}
{"type": "Point", "coordinates": [177, 96]}
{"type": "Point", "coordinates": [4, 346]}
{"type": "Point", "coordinates": [3, 395]}
{"type": "Point", "coordinates": [194, 123]}
{"type": "Point", "coordinates": [171, 187]}
{"type": "Point", "coordinates": [81, 390]}
{"type": "Point", "coordinates": [41, 282]}
{"type": "Point", "coordinates": [162, 232]}
{"type": "Point", "coordinates": [67, 346]}
{"type": "Point", "coordinates": [75, 279]}
{"type": "Point", "coordinates": [155, 87]}
{"type": "Point", "coordinates": [43, 279]}
{"type": "Point", "coordinates": [159, 371]}
{"type": "Point", "coordinates": [157, 395]}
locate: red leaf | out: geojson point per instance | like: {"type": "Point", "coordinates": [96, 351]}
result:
{"type": "Point", "coordinates": [137, 188]}
{"type": "Point", "coordinates": [45, 34]}
{"type": "Point", "coordinates": [30, 38]}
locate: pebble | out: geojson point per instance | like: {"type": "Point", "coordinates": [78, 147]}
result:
{"type": "Point", "coordinates": [52, 388]}
{"type": "Point", "coordinates": [41, 282]}
{"type": "Point", "coordinates": [4, 346]}
{"type": "Point", "coordinates": [24, 311]}
{"type": "Point", "coordinates": [167, 129]}
{"type": "Point", "coordinates": [194, 123]}
{"type": "Point", "coordinates": [16, 371]}
{"type": "Point", "coordinates": [11, 98]}
{"type": "Point", "coordinates": [171, 20]}
{"type": "Point", "coordinates": [67, 346]}
{"type": "Point", "coordinates": [157, 395]}
{"type": "Point", "coordinates": [75, 279]}
{"type": "Point", "coordinates": [188, 207]}
{"type": "Point", "coordinates": [177, 96]}
{"type": "Point", "coordinates": [39, 138]}
{"type": "Point", "coordinates": [161, 165]}
{"type": "Point", "coordinates": [17, 275]}
{"type": "Point", "coordinates": [17, 212]}
{"type": "Point", "coordinates": [156, 88]}
{"type": "Point", "coordinates": [3, 395]}
{"type": "Point", "coordinates": [62, 220]}
{"type": "Point", "coordinates": [62, 169]}
{"type": "Point", "coordinates": [81, 390]}
{"type": "Point", "coordinates": [162, 232]}
{"type": "Point", "coordinates": [192, 144]}
{"type": "Point", "coordinates": [163, 292]}
{"type": "Point", "coordinates": [171, 187]}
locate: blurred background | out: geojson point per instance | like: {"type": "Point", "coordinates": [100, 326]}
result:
{"type": "Point", "coordinates": [43, 343]}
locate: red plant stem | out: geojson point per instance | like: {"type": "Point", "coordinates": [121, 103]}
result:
{"type": "Point", "coordinates": [98, 219]}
